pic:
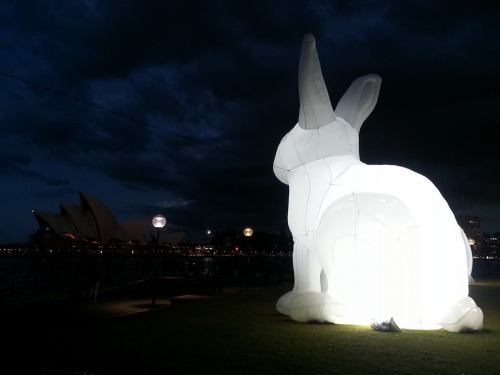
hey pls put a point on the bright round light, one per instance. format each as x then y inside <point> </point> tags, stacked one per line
<point>159,221</point>
<point>209,232</point>
<point>247,232</point>
<point>472,242</point>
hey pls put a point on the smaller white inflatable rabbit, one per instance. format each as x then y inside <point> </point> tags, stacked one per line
<point>371,242</point>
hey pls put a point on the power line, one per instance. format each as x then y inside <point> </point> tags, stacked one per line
<point>113,112</point>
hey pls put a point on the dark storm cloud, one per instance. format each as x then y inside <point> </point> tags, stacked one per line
<point>17,166</point>
<point>224,74</point>
<point>56,193</point>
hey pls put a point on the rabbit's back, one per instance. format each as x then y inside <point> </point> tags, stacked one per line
<point>418,193</point>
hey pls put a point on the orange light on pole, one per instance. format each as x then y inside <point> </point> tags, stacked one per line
<point>248,232</point>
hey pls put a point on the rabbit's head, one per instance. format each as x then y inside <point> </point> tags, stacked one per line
<point>322,132</point>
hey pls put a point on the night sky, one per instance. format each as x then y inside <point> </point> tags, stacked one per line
<point>214,87</point>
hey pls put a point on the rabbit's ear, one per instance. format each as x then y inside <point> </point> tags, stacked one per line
<point>359,100</point>
<point>315,107</point>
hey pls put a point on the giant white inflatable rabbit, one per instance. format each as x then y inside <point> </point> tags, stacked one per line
<point>371,242</point>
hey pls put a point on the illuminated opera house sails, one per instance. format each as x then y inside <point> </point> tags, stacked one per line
<point>94,222</point>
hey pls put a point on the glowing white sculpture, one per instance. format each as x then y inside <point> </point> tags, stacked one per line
<point>371,241</point>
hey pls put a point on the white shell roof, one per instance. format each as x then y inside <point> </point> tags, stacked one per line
<point>94,221</point>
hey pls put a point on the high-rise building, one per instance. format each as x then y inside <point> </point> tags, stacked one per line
<point>491,245</point>
<point>472,228</point>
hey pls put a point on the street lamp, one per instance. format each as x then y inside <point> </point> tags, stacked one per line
<point>209,240</point>
<point>159,222</point>
<point>247,232</point>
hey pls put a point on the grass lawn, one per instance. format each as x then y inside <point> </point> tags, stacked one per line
<point>239,333</point>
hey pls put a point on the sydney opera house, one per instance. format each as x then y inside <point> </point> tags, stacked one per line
<point>93,223</point>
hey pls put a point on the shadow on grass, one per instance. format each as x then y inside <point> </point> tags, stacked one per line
<point>149,306</point>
